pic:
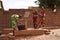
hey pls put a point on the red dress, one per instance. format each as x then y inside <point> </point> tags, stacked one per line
<point>41,23</point>
<point>35,20</point>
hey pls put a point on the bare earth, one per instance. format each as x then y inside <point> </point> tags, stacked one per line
<point>54,35</point>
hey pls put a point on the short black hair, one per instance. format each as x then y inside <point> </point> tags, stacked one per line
<point>20,16</point>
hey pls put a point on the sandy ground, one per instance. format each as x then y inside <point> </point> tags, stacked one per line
<point>54,35</point>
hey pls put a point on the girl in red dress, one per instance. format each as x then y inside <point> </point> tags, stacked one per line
<point>42,17</point>
<point>35,15</point>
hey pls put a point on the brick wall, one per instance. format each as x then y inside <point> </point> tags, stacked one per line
<point>51,19</point>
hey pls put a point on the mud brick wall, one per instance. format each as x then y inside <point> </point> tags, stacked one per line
<point>20,12</point>
<point>52,19</point>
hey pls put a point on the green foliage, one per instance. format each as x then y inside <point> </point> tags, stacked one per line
<point>48,3</point>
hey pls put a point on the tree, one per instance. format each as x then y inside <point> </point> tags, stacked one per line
<point>48,3</point>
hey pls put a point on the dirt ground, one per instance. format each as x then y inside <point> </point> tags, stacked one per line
<point>54,35</point>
